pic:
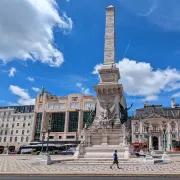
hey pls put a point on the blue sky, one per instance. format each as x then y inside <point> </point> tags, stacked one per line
<point>59,44</point>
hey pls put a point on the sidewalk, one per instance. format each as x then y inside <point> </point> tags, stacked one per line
<point>25,165</point>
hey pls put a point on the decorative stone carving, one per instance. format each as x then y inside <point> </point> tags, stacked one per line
<point>74,105</point>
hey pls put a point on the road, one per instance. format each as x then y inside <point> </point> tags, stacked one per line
<point>84,178</point>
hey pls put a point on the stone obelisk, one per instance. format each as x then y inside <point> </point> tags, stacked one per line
<point>106,132</point>
<point>109,92</point>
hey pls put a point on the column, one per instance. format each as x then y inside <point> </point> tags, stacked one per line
<point>80,121</point>
<point>150,141</point>
<point>66,122</point>
<point>160,142</point>
<point>168,137</point>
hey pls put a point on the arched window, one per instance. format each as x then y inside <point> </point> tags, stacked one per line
<point>0,139</point>
<point>1,132</point>
<point>24,124</point>
<point>22,138</point>
<point>11,132</point>
<point>6,132</point>
<point>2,125</point>
<point>15,139</point>
<point>22,132</point>
<point>12,125</point>
<point>7,125</point>
<point>27,139</point>
<point>10,139</point>
<point>4,139</point>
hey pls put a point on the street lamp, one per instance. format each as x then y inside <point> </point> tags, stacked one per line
<point>164,134</point>
<point>43,137</point>
<point>48,131</point>
<point>147,129</point>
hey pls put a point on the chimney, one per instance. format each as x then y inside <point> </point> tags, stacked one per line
<point>172,103</point>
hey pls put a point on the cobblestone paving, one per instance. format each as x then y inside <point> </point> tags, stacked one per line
<point>28,164</point>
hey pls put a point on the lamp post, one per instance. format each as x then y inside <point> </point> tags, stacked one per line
<point>43,137</point>
<point>48,131</point>
<point>164,134</point>
<point>147,129</point>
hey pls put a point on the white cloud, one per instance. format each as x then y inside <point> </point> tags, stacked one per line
<point>36,89</point>
<point>12,72</point>
<point>31,79</point>
<point>27,32</point>
<point>98,66</point>
<point>85,91</point>
<point>139,79</point>
<point>68,1</point>
<point>151,98</point>
<point>78,84</point>
<point>23,95</point>
<point>176,95</point>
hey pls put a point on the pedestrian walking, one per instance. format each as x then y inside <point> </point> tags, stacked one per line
<point>115,161</point>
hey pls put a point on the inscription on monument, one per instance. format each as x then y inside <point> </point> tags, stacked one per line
<point>110,20</point>
<point>109,54</point>
<point>109,31</point>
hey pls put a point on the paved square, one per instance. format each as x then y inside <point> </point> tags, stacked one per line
<point>29,165</point>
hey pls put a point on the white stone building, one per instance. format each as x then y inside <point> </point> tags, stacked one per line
<point>16,124</point>
<point>156,126</point>
<point>66,116</point>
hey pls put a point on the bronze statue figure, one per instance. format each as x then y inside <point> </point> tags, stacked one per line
<point>124,113</point>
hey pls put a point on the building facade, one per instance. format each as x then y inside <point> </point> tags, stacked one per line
<point>156,126</point>
<point>66,116</point>
<point>16,124</point>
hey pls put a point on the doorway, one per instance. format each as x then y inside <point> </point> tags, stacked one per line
<point>155,143</point>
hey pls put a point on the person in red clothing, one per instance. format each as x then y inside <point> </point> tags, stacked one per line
<point>115,161</point>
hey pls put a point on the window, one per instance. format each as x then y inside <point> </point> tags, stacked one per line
<point>7,125</point>
<point>18,117</point>
<point>17,124</point>
<point>22,132</point>
<point>137,136</point>
<point>14,118</point>
<point>8,118</point>
<point>60,137</point>
<point>28,124</point>
<point>6,132</point>
<point>73,121</point>
<point>24,117</point>
<point>16,131</point>
<point>154,128</point>
<point>2,125</point>
<point>12,125</point>
<point>27,131</point>
<point>51,137</point>
<point>10,139</point>
<point>4,139</point>
<point>15,139</point>
<point>11,132</point>
<point>173,135</point>
<point>27,139</point>
<point>38,127</point>
<point>24,124</point>
<point>1,132</point>
<point>136,128</point>
<point>70,137</point>
<point>29,117</point>
<point>57,122</point>
<point>0,139</point>
<point>4,113</point>
<point>22,138</point>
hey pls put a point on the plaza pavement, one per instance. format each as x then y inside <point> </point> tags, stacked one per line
<point>28,165</point>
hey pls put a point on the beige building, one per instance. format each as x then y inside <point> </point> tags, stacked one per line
<point>157,126</point>
<point>16,124</point>
<point>66,116</point>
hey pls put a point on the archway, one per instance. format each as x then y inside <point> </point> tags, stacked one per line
<point>155,143</point>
